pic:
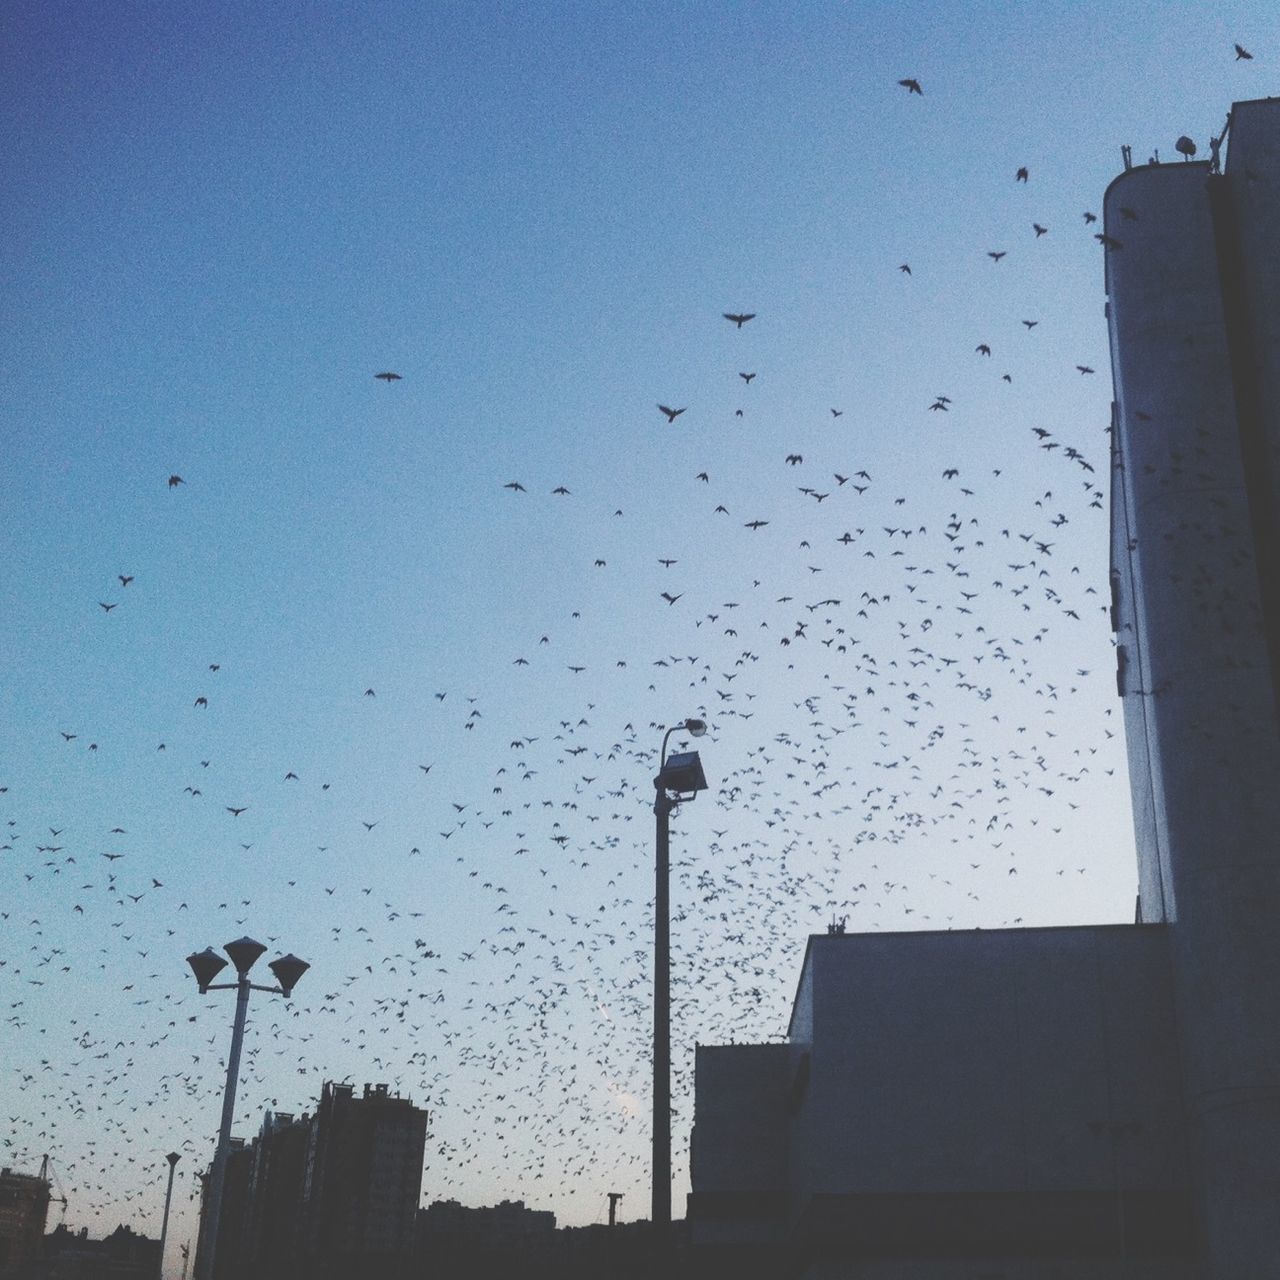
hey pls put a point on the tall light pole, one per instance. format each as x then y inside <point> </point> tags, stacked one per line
<point>680,778</point>
<point>173,1157</point>
<point>206,965</point>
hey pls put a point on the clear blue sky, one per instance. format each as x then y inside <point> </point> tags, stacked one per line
<point>223,221</point>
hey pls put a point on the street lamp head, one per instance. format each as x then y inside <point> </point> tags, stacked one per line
<point>206,965</point>
<point>173,1157</point>
<point>288,969</point>
<point>682,772</point>
<point>244,952</point>
<point>695,727</point>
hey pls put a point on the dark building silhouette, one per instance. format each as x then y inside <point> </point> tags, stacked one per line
<point>277,1163</point>
<point>330,1196</point>
<point>1093,1101</point>
<point>501,1241</point>
<point>362,1181</point>
<point>24,1209</point>
<point>123,1255</point>
<point>230,1257</point>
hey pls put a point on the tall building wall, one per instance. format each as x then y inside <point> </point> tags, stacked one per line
<point>24,1205</point>
<point>1196,651</point>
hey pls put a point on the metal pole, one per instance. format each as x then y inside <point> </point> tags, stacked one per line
<point>662,806</point>
<point>173,1157</point>
<point>208,1256</point>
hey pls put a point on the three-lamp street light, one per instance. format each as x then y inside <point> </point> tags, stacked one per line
<point>206,965</point>
<point>679,778</point>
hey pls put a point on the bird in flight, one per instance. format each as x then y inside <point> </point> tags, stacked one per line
<point>1243,54</point>
<point>388,376</point>
<point>672,414</point>
<point>905,268</point>
<point>995,255</point>
<point>125,578</point>
<point>1039,230</point>
<point>106,608</point>
<point>746,377</point>
<point>911,85</point>
<point>175,481</point>
<point>755,524</point>
<point>515,486</point>
<point>669,598</point>
<point>1022,175</point>
<point>740,317</point>
<point>235,813</point>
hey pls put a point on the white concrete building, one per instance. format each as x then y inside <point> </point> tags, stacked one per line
<point>1094,1102</point>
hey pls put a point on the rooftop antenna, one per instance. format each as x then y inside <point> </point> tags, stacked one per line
<point>1126,154</point>
<point>614,1197</point>
<point>837,925</point>
<point>1215,146</point>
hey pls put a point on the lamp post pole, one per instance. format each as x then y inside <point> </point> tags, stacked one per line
<point>662,807</point>
<point>685,776</point>
<point>173,1157</point>
<point>218,1174</point>
<point>206,965</point>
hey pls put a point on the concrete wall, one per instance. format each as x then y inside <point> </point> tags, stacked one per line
<point>738,1151</point>
<point>1195,602</point>
<point>1253,176</point>
<point>1012,1061</point>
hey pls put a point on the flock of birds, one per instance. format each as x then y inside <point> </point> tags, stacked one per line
<point>893,681</point>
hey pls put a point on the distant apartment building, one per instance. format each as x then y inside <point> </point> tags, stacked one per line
<point>362,1180</point>
<point>24,1208</point>
<point>123,1255</point>
<point>273,1192</point>
<point>331,1195</point>
<point>446,1223</point>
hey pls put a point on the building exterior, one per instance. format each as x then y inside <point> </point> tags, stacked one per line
<point>123,1255</point>
<point>329,1195</point>
<point>273,1192</point>
<point>1098,1101</point>
<point>508,1222</point>
<point>24,1208</point>
<point>362,1180</point>
<point>1194,298</point>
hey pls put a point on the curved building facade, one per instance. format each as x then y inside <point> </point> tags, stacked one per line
<point>1193,284</point>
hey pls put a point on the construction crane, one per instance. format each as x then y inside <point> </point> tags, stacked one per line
<point>48,1177</point>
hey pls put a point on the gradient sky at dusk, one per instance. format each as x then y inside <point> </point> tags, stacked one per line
<point>223,221</point>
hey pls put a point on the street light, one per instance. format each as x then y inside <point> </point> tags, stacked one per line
<point>173,1157</point>
<point>679,778</point>
<point>206,965</point>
